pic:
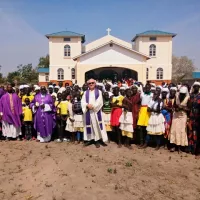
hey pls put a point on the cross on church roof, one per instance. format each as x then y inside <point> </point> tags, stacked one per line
<point>108,30</point>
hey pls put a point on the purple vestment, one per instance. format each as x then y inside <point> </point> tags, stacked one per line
<point>44,121</point>
<point>11,116</point>
<point>2,92</point>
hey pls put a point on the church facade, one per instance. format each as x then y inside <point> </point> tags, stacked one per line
<point>147,57</point>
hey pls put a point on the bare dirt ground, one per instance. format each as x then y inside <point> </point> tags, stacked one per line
<point>34,171</point>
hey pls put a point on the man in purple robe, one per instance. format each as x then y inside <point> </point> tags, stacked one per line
<point>2,92</point>
<point>10,113</point>
<point>43,108</point>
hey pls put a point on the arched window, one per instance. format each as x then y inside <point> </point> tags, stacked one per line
<point>159,73</point>
<point>73,73</point>
<point>67,51</point>
<point>60,73</point>
<point>152,50</point>
<point>147,73</point>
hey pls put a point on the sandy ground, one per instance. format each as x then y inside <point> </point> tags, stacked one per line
<point>34,171</point>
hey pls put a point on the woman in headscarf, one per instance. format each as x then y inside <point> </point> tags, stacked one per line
<point>194,121</point>
<point>156,121</point>
<point>178,133</point>
<point>167,111</point>
<point>136,105</point>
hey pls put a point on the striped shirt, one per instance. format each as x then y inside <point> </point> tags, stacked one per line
<point>107,107</point>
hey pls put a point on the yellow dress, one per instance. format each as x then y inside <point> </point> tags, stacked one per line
<point>63,107</point>
<point>31,97</point>
<point>28,116</point>
<point>127,134</point>
<point>57,105</point>
<point>119,98</point>
<point>143,116</point>
<point>116,111</point>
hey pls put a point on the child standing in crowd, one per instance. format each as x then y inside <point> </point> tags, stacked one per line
<point>167,111</point>
<point>108,88</point>
<point>156,121</point>
<point>116,104</point>
<point>27,91</point>
<point>58,129</point>
<point>144,115</point>
<point>70,123</point>
<point>78,116</point>
<point>63,117</point>
<point>107,113</point>
<point>122,91</point>
<point>135,105</point>
<point>28,119</point>
<point>178,132</point>
<point>126,119</point>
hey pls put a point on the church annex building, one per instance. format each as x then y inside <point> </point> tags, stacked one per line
<point>147,57</point>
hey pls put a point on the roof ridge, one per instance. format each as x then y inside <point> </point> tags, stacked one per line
<point>65,31</point>
<point>106,43</point>
<point>154,32</point>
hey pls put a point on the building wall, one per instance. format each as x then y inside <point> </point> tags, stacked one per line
<point>56,50</point>
<point>107,56</point>
<point>112,55</point>
<point>104,40</point>
<point>163,58</point>
<point>67,72</point>
<point>42,77</point>
<point>57,58</point>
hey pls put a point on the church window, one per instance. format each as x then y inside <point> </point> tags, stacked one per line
<point>67,39</point>
<point>67,51</point>
<point>159,73</point>
<point>147,73</point>
<point>152,50</point>
<point>152,38</point>
<point>47,77</point>
<point>60,73</point>
<point>73,73</point>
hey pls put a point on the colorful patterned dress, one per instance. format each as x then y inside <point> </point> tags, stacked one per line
<point>106,115</point>
<point>169,103</point>
<point>178,132</point>
<point>194,123</point>
<point>116,111</point>
<point>135,108</point>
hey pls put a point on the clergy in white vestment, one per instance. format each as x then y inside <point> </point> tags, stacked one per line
<point>94,127</point>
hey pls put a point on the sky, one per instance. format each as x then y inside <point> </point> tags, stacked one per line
<point>24,24</point>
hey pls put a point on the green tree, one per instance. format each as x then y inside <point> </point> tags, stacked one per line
<point>23,74</point>
<point>13,76</point>
<point>27,73</point>
<point>44,61</point>
<point>182,68</point>
<point>2,79</point>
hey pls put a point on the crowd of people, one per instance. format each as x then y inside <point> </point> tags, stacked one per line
<point>97,113</point>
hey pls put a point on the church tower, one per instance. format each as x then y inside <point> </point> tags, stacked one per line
<point>63,46</point>
<point>158,46</point>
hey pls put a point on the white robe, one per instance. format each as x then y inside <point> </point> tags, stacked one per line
<point>69,124</point>
<point>96,132</point>
<point>9,130</point>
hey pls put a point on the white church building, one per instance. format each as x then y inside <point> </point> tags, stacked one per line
<point>147,57</point>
